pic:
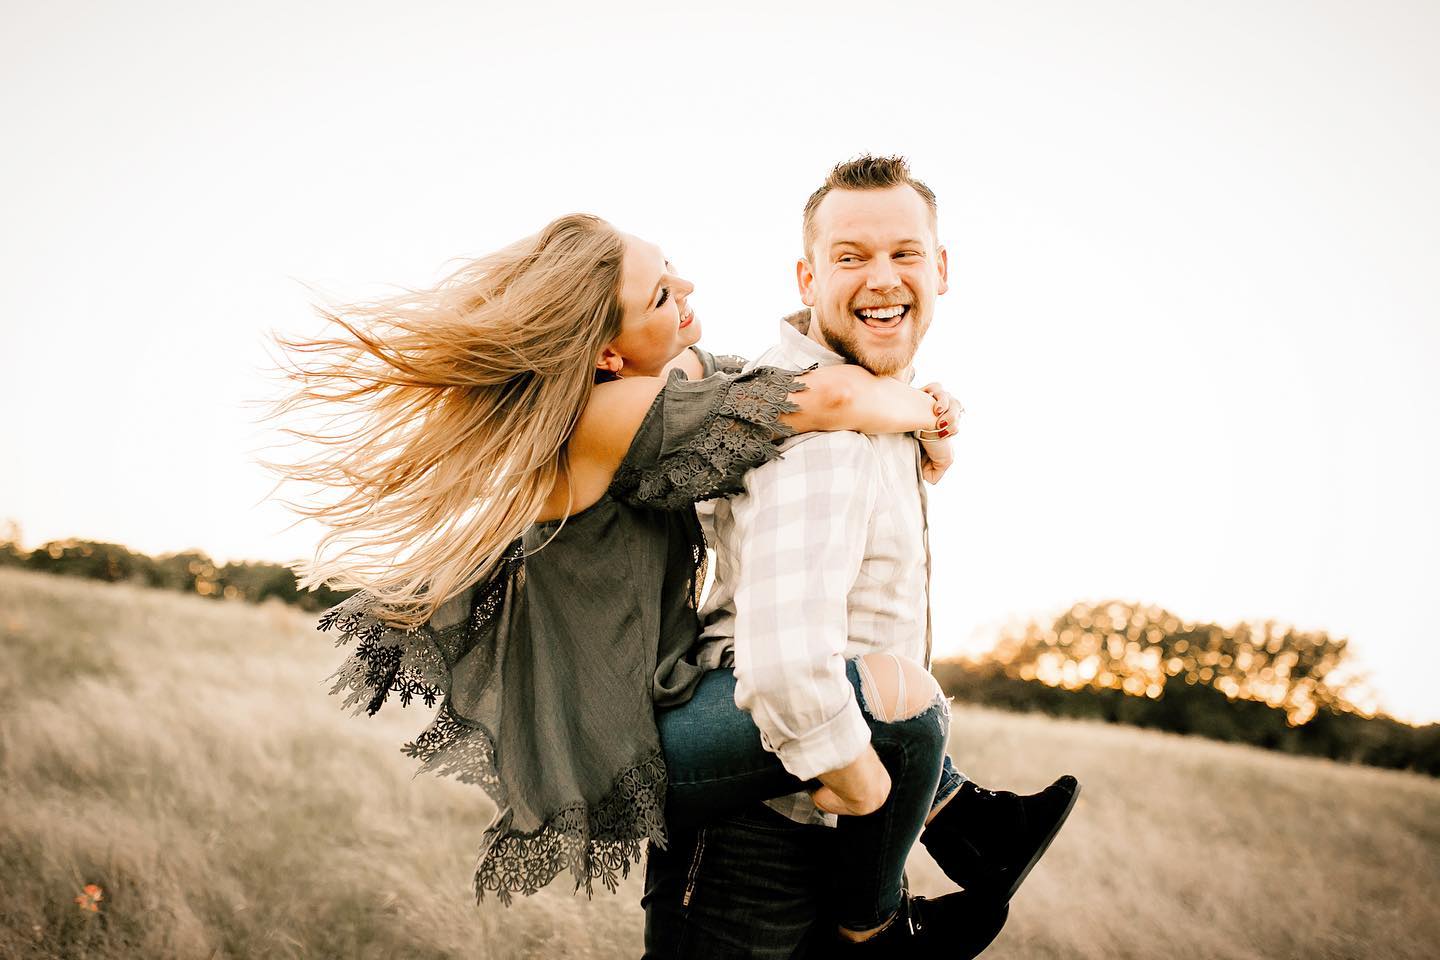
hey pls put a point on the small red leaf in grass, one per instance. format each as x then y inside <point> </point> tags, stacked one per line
<point>90,897</point>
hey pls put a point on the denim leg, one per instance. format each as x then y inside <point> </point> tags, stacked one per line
<point>751,885</point>
<point>714,758</point>
<point>950,780</point>
<point>718,766</point>
<point>872,849</point>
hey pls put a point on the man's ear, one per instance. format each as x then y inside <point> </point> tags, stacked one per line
<point>609,361</point>
<point>942,265</point>
<point>805,280</point>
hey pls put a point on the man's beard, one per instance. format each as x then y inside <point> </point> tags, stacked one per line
<point>885,362</point>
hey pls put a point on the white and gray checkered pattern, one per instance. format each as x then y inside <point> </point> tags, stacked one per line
<point>822,558</point>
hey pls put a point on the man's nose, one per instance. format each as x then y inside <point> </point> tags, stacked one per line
<point>882,275</point>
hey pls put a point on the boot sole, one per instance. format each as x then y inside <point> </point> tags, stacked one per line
<point>1044,844</point>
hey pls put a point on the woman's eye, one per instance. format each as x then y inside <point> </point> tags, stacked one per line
<point>664,295</point>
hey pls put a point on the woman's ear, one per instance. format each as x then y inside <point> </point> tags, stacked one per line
<point>610,361</point>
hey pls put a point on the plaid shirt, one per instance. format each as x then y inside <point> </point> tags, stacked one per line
<point>822,558</point>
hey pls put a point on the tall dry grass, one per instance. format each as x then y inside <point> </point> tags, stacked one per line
<point>184,756</point>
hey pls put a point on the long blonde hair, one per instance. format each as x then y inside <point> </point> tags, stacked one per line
<point>445,414</point>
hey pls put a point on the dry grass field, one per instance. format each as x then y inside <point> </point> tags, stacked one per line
<point>183,756</point>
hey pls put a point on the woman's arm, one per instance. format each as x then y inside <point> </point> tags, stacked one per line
<point>841,397</point>
<point>847,397</point>
<point>837,397</point>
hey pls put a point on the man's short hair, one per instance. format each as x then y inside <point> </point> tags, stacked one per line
<point>865,173</point>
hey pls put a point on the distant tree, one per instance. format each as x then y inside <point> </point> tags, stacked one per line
<point>258,582</point>
<point>1139,650</point>
<point>87,558</point>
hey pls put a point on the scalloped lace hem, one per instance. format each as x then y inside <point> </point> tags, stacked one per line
<point>597,842</point>
<point>592,844</point>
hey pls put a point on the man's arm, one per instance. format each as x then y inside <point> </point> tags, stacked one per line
<point>800,534</point>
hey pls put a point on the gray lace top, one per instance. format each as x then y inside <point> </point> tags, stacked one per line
<point>548,673</point>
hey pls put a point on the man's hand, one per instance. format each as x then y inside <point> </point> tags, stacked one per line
<point>858,788</point>
<point>939,455</point>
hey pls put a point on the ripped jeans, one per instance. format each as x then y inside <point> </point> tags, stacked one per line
<point>718,767</point>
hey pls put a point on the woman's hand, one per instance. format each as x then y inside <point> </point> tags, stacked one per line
<point>939,454</point>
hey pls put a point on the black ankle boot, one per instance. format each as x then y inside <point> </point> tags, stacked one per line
<point>987,841</point>
<point>957,926</point>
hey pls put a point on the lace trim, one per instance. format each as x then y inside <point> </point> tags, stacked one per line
<point>738,435</point>
<point>385,660</point>
<point>595,844</point>
<point>452,746</point>
<point>600,844</point>
<point>728,363</point>
<point>406,662</point>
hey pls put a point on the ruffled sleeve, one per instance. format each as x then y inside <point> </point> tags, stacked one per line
<point>700,437</point>
<point>419,663</point>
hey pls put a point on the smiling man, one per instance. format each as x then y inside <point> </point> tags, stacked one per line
<point>823,559</point>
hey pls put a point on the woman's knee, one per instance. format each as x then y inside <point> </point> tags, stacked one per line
<point>895,688</point>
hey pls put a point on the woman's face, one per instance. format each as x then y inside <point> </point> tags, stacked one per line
<point>657,320</point>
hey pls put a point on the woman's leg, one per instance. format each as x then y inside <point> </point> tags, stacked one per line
<point>909,725</point>
<point>716,763</point>
<point>718,766</point>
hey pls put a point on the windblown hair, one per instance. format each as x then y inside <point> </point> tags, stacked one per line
<point>444,414</point>
<point>865,173</point>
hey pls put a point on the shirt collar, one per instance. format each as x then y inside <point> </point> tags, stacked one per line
<point>803,351</point>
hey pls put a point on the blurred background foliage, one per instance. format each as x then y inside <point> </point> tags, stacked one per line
<point>188,572</point>
<point>1263,684</point>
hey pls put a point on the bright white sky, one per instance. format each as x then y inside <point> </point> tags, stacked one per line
<point>1194,312</point>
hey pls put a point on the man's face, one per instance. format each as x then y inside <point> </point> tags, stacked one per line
<point>874,272</point>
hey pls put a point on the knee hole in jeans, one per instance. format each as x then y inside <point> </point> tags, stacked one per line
<point>895,688</point>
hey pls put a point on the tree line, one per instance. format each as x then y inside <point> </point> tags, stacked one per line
<point>187,572</point>
<point>1264,684</point>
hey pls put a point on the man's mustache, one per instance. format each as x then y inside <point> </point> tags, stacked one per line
<point>870,303</point>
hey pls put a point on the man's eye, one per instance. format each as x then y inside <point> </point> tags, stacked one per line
<point>664,295</point>
<point>849,258</point>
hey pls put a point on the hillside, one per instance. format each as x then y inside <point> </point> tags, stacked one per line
<point>183,756</point>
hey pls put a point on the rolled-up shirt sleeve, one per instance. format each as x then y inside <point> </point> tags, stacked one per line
<point>802,527</point>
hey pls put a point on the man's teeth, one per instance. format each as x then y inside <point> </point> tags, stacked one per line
<point>880,314</point>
